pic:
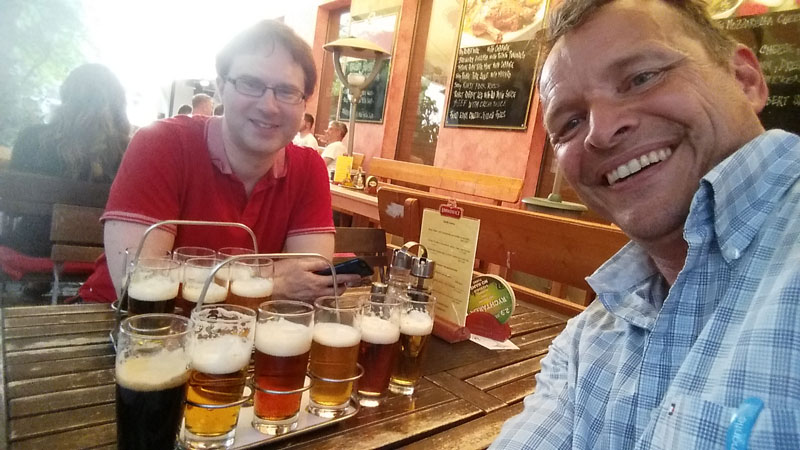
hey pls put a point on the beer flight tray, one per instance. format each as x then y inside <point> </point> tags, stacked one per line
<point>249,437</point>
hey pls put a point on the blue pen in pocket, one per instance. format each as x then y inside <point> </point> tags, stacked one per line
<point>742,423</point>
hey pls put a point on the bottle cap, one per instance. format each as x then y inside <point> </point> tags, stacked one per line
<point>401,259</point>
<point>422,267</point>
<point>379,288</point>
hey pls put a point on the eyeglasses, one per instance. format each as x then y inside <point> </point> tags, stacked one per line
<point>255,88</point>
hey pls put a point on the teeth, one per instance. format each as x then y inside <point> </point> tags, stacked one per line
<point>637,164</point>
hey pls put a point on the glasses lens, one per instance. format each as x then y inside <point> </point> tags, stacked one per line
<point>288,95</point>
<point>249,87</point>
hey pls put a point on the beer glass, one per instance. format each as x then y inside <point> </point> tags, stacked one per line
<point>153,286</point>
<point>221,343</point>
<point>251,282</point>
<point>416,325</point>
<point>283,342</point>
<point>380,345</point>
<point>224,253</point>
<point>183,254</point>
<point>152,367</point>
<point>195,273</point>
<point>333,363</point>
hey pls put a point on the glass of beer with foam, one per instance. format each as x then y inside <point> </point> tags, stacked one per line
<point>183,254</point>
<point>283,343</point>
<point>380,345</point>
<point>416,325</point>
<point>221,342</point>
<point>153,286</point>
<point>333,363</point>
<point>152,367</point>
<point>251,282</point>
<point>195,273</point>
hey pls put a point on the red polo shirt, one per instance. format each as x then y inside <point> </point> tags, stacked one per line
<point>177,169</point>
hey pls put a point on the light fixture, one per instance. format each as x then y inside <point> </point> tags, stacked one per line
<point>355,82</point>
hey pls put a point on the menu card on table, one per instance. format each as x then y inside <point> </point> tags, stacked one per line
<point>451,241</point>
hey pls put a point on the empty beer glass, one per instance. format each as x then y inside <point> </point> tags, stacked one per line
<point>183,254</point>
<point>221,344</point>
<point>283,343</point>
<point>334,353</point>
<point>380,345</point>
<point>152,368</point>
<point>153,286</point>
<point>251,282</point>
<point>195,273</point>
<point>416,324</point>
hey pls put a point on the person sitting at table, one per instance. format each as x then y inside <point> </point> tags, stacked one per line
<point>239,167</point>
<point>84,141</point>
<point>652,111</point>
<point>305,136</point>
<point>333,136</point>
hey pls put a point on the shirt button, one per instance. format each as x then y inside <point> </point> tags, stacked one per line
<point>732,253</point>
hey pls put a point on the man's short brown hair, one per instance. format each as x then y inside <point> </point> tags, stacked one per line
<point>264,36</point>
<point>571,14</point>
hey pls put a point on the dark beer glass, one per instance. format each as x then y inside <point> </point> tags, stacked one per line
<point>380,345</point>
<point>153,286</point>
<point>152,368</point>
<point>283,343</point>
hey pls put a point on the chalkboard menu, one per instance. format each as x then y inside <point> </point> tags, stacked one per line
<point>775,39</point>
<point>373,98</point>
<point>492,86</point>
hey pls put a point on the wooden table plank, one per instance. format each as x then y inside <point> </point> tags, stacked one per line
<point>58,330</point>
<point>56,353</point>
<point>57,401</point>
<point>516,390</point>
<point>62,341</point>
<point>27,387</point>
<point>533,321</point>
<point>356,202</point>
<point>475,434</point>
<point>70,440</point>
<point>507,374</point>
<point>462,389</point>
<point>3,399</point>
<point>59,319</point>
<point>61,421</point>
<point>547,334</point>
<point>53,310</point>
<point>500,359</point>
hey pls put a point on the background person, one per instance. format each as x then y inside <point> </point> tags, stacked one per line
<point>305,137</point>
<point>652,112</point>
<point>239,167</point>
<point>202,104</point>
<point>333,136</point>
<point>184,110</point>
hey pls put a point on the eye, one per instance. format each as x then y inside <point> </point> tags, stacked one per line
<point>251,84</point>
<point>564,132</point>
<point>642,78</point>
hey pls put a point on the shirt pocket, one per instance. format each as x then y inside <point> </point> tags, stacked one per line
<point>687,422</point>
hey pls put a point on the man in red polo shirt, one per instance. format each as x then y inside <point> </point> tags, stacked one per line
<point>240,167</point>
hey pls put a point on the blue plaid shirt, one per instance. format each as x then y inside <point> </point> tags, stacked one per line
<point>653,367</point>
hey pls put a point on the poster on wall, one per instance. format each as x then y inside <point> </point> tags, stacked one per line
<point>492,81</point>
<point>771,28</point>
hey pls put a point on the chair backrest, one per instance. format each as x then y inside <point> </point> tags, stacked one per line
<point>27,193</point>
<point>555,248</point>
<point>358,159</point>
<point>368,244</point>
<point>76,233</point>
<point>493,187</point>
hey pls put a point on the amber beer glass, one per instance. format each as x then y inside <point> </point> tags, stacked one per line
<point>416,325</point>
<point>251,282</point>
<point>380,345</point>
<point>221,344</point>
<point>195,273</point>
<point>153,286</point>
<point>152,367</point>
<point>283,343</point>
<point>334,353</point>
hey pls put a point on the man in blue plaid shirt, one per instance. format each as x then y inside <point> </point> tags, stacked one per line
<point>694,341</point>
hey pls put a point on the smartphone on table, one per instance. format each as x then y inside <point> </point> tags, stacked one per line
<point>352,266</point>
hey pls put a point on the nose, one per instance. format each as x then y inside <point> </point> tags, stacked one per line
<point>609,123</point>
<point>269,102</point>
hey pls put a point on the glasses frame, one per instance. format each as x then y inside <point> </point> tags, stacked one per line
<point>277,91</point>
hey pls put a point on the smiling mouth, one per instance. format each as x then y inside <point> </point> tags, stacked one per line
<point>636,165</point>
<point>263,125</point>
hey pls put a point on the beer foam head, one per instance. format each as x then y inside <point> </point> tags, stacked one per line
<point>283,338</point>
<point>416,323</point>
<point>215,293</point>
<point>379,331</point>
<point>220,355</point>
<point>163,370</point>
<point>153,289</point>
<point>252,287</point>
<point>336,334</point>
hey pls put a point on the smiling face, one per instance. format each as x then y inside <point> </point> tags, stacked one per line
<point>638,113</point>
<point>261,125</point>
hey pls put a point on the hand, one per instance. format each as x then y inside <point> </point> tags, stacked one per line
<point>294,279</point>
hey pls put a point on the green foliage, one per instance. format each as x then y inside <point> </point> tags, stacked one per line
<point>42,40</point>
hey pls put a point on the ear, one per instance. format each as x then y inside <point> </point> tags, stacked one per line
<point>748,74</point>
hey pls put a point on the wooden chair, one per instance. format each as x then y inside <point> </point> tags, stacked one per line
<point>368,244</point>
<point>496,188</point>
<point>554,248</point>
<point>77,236</point>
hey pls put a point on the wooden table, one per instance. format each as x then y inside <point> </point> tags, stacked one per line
<point>363,207</point>
<point>57,386</point>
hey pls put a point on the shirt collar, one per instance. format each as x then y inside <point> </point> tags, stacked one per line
<point>748,185</point>
<point>219,158</point>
